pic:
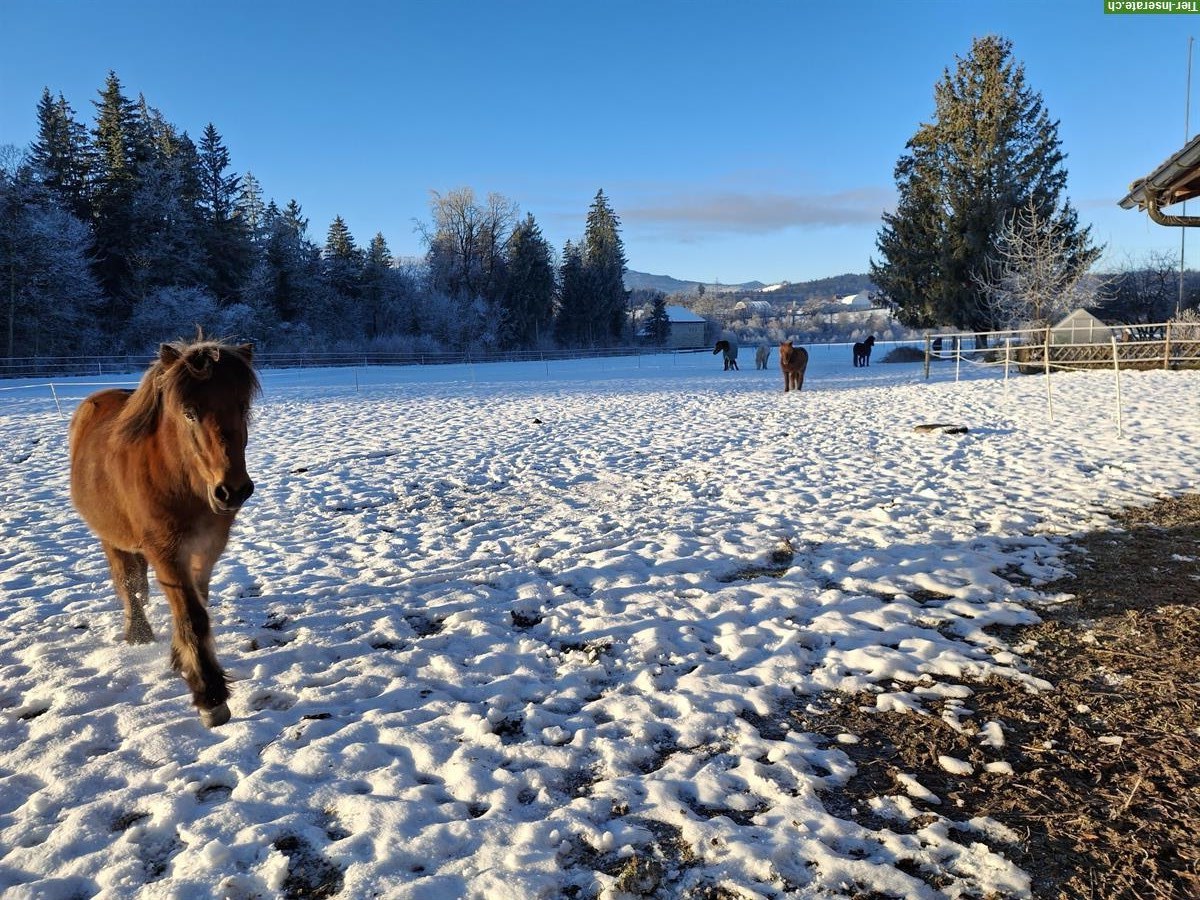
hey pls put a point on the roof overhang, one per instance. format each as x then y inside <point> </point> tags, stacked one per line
<point>1175,181</point>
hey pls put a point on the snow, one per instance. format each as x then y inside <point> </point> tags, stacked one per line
<point>512,631</point>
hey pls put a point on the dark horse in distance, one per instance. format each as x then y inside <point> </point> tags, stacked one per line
<point>730,352</point>
<point>793,361</point>
<point>862,352</point>
<point>158,474</point>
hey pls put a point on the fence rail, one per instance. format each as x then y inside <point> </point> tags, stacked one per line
<point>1173,345</point>
<point>135,363</point>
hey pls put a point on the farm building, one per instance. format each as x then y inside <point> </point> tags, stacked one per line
<point>687,329</point>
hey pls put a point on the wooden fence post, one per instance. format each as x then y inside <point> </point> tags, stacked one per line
<point>1117,376</point>
<point>1167,346</point>
<point>927,356</point>
<point>1046,363</point>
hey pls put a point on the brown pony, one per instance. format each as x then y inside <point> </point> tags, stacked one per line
<point>158,474</point>
<point>793,361</point>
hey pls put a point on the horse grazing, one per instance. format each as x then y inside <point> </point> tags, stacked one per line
<point>158,474</point>
<point>793,361</point>
<point>862,352</point>
<point>730,350</point>
<point>762,356</point>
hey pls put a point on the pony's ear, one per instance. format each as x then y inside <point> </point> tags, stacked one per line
<point>247,350</point>
<point>168,353</point>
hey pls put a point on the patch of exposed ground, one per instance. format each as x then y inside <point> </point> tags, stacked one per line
<point>1104,795</point>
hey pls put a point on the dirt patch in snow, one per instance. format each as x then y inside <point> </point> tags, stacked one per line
<point>1103,798</point>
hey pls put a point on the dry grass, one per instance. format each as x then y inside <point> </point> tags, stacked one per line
<point>1105,790</point>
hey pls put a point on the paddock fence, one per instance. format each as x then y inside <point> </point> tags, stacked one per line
<point>1165,345</point>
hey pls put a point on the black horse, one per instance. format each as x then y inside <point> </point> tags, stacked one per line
<point>730,351</point>
<point>862,352</point>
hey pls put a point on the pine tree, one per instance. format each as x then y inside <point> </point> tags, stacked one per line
<point>574,326</point>
<point>61,155</point>
<point>528,301</point>
<point>121,147</point>
<point>374,283</point>
<point>252,210</point>
<point>990,150</point>
<point>226,238</point>
<point>658,323</point>
<point>604,261</point>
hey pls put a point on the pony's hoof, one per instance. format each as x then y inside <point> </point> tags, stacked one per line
<point>218,715</point>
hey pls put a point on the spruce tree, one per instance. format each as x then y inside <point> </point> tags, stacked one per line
<point>226,238</point>
<point>990,150</point>
<point>121,147</point>
<point>61,155</point>
<point>574,325</point>
<point>528,300</point>
<point>604,262</point>
<point>658,323</point>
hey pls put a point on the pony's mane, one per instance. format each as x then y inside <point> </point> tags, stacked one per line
<point>187,369</point>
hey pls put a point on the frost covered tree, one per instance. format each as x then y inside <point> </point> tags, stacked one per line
<point>1033,275</point>
<point>49,293</point>
<point>466,243</point>
<point>990,150</point>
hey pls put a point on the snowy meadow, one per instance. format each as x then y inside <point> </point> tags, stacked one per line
<point>535,630</point>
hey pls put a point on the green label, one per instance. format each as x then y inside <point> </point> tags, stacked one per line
<point>1151,6</point>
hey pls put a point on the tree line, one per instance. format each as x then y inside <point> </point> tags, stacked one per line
<point>120,235</point>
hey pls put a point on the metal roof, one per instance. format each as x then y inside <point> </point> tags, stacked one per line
<point>1176,180</point>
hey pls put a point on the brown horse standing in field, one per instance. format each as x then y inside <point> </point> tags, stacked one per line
<point>158,474</point>
<point>793,361</point>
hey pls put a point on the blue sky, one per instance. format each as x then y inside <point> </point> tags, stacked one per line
<point>740,140</point>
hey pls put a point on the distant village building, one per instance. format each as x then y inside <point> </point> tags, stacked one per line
<point>854,302</point>
<point>749,308</point>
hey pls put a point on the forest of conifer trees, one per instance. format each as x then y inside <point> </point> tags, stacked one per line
<point>124,233</point>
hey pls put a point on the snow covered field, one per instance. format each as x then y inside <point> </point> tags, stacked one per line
<point>532,630</point>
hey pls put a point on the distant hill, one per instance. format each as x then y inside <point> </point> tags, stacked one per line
<point>668,285</point>
<point>833,286</point>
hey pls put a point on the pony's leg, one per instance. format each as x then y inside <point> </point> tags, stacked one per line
<point>133,587</point>
<point>193,653</point>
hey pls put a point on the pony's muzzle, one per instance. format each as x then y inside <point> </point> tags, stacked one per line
<point>227,498</point>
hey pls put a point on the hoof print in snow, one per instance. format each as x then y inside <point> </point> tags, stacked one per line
<point>267,700</point>
<point>774,566</point>
<point>156,855</point>
<point>32,711</point>
<point>214,793</point>
<point>275,622</point>
<point>525,619</point>
<point>423,626</point>
<point>333,828</point>
<point>942,427</point>
<point>381,644</point>
<point>125,821</point>
<point>510,729</point>
<point>309,875</point>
